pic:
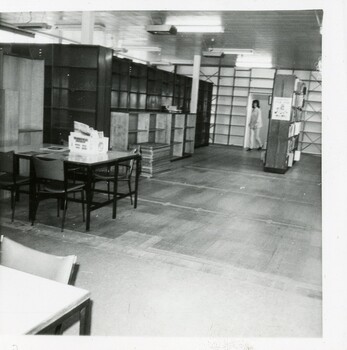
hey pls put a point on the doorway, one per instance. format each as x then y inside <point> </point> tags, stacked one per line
<point>265,112</point>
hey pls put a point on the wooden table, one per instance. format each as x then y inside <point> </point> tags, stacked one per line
<point>90,163</point>
<point>34,305</point>
<point>93,162</point>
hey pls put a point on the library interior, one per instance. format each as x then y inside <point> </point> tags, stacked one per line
<point>160,173</point>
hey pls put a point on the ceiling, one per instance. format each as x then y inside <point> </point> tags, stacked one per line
<point>291,38</point>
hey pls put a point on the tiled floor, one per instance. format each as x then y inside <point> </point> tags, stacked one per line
<point>216,247</point>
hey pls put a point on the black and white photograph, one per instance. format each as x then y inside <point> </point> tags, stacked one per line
<point>173,174</point>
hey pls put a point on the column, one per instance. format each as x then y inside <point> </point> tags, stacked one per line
<point>195,85</point>
<point>88,19</point>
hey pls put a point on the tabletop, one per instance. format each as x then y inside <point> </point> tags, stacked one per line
<point>51,151</point>
<point>91,159</point>
<point>29,303</point>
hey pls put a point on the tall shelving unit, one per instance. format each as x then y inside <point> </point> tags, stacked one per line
<point>311,136</point>
<point>203,114</point>
<point>77,86</point>
<point>167,89</point>
<point>154,89</point>
<point>80,90</point>
<point>285,123</point>
<point>137,86</point>
<point>229,106</point>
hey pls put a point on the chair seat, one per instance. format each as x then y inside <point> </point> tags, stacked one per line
<point>7,180</point>
<point>108,174</point>
<point>58,187</point>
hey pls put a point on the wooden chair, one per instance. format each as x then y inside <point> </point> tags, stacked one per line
<point>51,181</point>
<point>124,175</point>
<point>9,179</point>
<point>61,269</point>
<point>25,259</point>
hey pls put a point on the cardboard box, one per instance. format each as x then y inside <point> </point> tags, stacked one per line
<point>79,143</point>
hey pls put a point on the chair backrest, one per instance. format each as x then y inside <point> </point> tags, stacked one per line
<point>20,257</point>
<point>6,162</point>
<point>49,169</point>
<point>132,161</point>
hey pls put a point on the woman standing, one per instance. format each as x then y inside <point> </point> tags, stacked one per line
<point>255,124</point>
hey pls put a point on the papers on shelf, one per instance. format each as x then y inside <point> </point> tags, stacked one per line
<point>294,129</point>
<point>297,127</point>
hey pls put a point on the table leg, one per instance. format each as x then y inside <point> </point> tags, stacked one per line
<point>137,175</point>
<point>32,194</point>
<point>85,318</point>
<point>115,190</point>
<point>88,196</point>
<point>16,172</point>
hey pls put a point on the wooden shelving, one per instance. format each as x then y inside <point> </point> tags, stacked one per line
<point>134,128</point>
<point>21,95</point>
<point>88,84</point>
<point>284,127</point>
<point>76,86</point>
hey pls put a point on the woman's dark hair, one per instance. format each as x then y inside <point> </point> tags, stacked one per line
<point>256,102</point>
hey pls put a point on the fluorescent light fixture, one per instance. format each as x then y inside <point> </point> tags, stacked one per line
<point>182,62</point>
<point>254,65</point>
<point>32,25</point>
<point>161,29</point>
<point>212,53</point>
<point>73,27</point>
<point>200,29</point>
<point>257,61</point>
<point>196,24</point>
<point>14,30</point>
<point>231,51</point>
<point>143,48</point>
<point>194,20</point>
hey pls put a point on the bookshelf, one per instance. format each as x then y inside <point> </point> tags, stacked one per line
<point>88,84</point>
<point>21,100</point>
<point>77,86</point>
<point>189,137</point>
<point>136,128</point>
<point>120,83</point>
<point>21,104</point>
<point>203,114</point>
<point>159,128</point>
<point>154,89</point>
<point>129,129</point>
<point>177,135</point>
<point>285,123</point>
<point>167,88</point>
